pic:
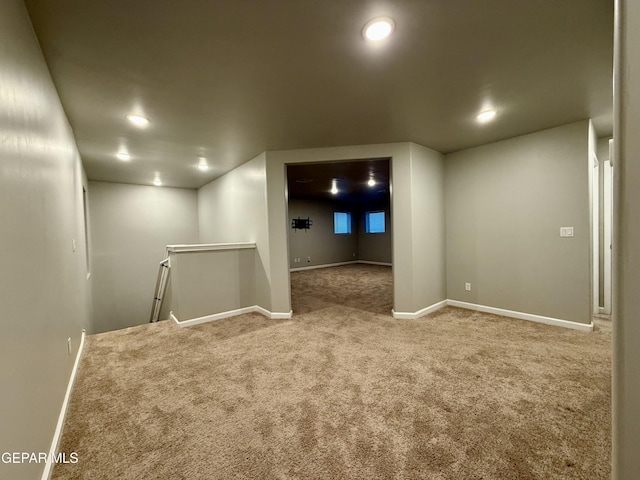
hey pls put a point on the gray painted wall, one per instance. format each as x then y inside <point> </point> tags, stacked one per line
<point>428,249</point>
<point>197,292</point>
<point>131,226</point>
<point>43,282</point>
<point>418,253</point>
<point>626,321</point>
<point>506,203</point>
<point>319,242</point>
<point>374,247</point>
<point>324,246</point>
<point>232,209</point>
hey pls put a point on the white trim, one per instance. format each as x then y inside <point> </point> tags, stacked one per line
<point>48,467</point>
<point>274,315</point>
<point>594,196</point>
<point>203,247</point>
<point>212,318</point>
<point>326,265</point>
<point>420,313</point>
<point>585,327</point>
<point>607,224</point>
<point>230,313</point>
<point>339,264</point>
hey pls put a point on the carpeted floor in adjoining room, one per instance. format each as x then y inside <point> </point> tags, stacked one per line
<point>343,391</point>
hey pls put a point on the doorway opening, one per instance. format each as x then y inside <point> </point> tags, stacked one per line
<point>602,224</point>
<point>340,235</point>
<point>605,293</point>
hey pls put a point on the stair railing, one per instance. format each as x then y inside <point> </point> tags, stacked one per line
<point>161,287</point>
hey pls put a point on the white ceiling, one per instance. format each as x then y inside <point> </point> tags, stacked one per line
<point>229,79</point>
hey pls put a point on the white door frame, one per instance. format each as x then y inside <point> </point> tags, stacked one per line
<point>608,229</point>
<point>595,233</point>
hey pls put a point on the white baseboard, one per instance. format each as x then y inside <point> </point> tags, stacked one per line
<point>326,265</point>
<point>212,318</point>
<point>48,467</point>
<point>585,327</point>
<point>273,315</point>
<point>420,313</point>
<point>339,264</point>
<point>230,313</point>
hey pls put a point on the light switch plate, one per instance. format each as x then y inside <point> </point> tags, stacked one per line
<point>566,231</point>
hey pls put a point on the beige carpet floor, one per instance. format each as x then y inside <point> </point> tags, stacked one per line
<point>342,391</point>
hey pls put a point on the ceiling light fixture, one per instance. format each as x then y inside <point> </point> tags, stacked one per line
<point>486,116</point>
<point>138,120</point>
<point>123,156</point>
<point>378,28</point>
<point>203,165</point>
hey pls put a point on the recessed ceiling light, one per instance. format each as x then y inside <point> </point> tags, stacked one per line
<point>157,182</point>
<point>138,120</point>
<point>486,116</point>
<point>124,156</point>
<point>378,28</point>
<point>371,182</point>
<point>203,165</point>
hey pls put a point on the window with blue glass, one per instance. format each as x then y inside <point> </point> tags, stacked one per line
<point>375,222</point>
<point>341,222</point>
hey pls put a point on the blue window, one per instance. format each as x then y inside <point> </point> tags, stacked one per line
<point>375,222</point>
<point>341,222</point>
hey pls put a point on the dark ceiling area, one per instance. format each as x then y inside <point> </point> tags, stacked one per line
<point>315,180</point>
<point>223,81</point>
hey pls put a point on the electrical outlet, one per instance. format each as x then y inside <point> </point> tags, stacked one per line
<point>69,345</point>
<point>467,287</point>
<point>308,259</point>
